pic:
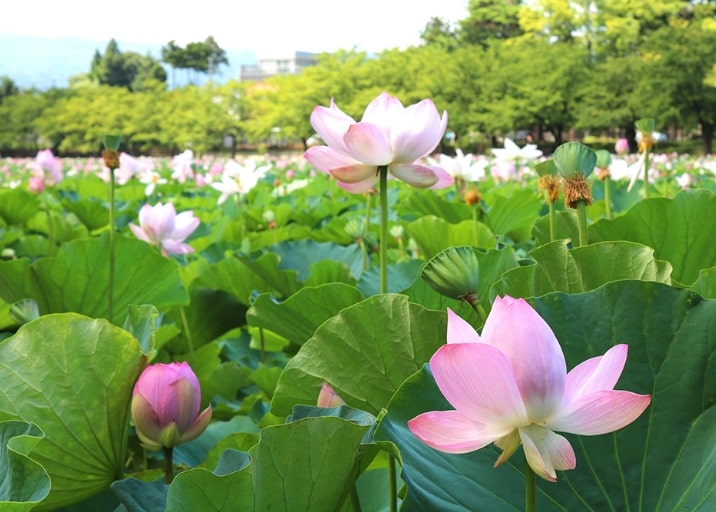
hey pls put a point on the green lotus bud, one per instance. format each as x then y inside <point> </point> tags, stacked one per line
<point>454,273</point>
<point>354,228</point>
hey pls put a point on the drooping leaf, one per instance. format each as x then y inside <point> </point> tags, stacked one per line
<point>512,212</point>
<point>77,279</point>
<point>432,235</point>
<point>675,228</point>
<point>298,317</point>
<point>581,269</point>
<point>23,482</point>
<point>364,353</point>
<point>17,205</point>
<point>72,376</point>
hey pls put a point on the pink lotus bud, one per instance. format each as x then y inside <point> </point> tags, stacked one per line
<point>165,406</point>
<point>329,398</point>
<point>622,146</point>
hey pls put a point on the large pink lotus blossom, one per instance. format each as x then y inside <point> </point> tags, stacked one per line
<point>165,406</point>
<point>510,386</point>
<point>387,135</point>
<point>160,225</point>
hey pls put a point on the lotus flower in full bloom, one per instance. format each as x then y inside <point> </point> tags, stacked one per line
<point>388,134</point>
<point>509,386</point>
<point>160,225</point>
<point>165,406</point>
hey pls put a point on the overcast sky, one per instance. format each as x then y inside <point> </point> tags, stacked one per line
<point>260,25</point>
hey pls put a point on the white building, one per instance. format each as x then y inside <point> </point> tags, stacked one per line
<point>277,64</point>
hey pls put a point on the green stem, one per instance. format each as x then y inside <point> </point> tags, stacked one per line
<point>646,173</point>
<point>355,501</point>
<point>607,200</point>
<point>262,341</point>
<point>582,222</point>
<point>552,229</point>
<point>111,245</point>
<point>474,225</point>
<point>392,484</point>
<point>530,489</point>
<point>187,331</point>
<point>50,230</point>
<point>383,171</point>
<point>168,465</point>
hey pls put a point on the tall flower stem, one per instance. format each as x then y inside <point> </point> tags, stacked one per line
<point>111,244</point>
<point>168,465</point>
<point>607,200</point>
<point>383,172</point>
<point>646,172</point>
<point>552,229</point>
<point>530,489</point>
<point>582,222</point>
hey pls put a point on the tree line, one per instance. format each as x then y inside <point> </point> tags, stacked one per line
<point>555,69</point>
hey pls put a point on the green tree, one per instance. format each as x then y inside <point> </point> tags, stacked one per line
<point>438,32</point>
<point>7,87</point>
<point>488,20</point>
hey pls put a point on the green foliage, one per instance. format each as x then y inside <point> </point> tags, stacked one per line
<point>78,396</point>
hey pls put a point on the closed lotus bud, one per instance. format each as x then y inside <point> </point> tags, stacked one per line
<point>165,406</point>
<point>621,146</point>
<point>454,273</point>
<point>328,398</point>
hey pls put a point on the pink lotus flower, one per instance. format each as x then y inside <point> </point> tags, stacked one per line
<point>165,406</point>
<point>388,134</point>
<point>328,397</point>
<point>510,386</point>
<point>160,225</point>
<point>622,146</point>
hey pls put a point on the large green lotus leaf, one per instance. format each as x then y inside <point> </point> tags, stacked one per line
<point>17,205</point>
<point>72,376</point>
<point>512,211</point>
<point>433,234</point>
<point>92,212</point>
<point>664,461</point>
<point>299,255</point>
<point>678,229</point>
<point>705,285</point>
<point>243,277</point>
<point>298,317</point>
<point>210,314</point>
<point>23,482</point>
<point>418,203</point>
<point>364,353</point>
<point>565,226</point>
<point>581,269</point>
<point>400,276</point>
<point>77,279</point>
<point>310,464</point>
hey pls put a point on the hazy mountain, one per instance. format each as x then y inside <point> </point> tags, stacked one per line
<point>44,63</point>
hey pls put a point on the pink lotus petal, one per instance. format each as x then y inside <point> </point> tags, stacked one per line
<point>367,143</point>
<point>453,432</point>
<point>331,124</point>
<point>324,158</point>
<point>416,175</point>
<point>477,380</point>
<point>140,233</point>
<point>546,451</point>
<point>417,132</point>
<point>360,187</point>
<point>600,412</point>
<point>534,352</point>
<point>595,374</point>
<point>459,331</point>
<point>444,178</point>
<point>184,224</point>
<point>355,173</point>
